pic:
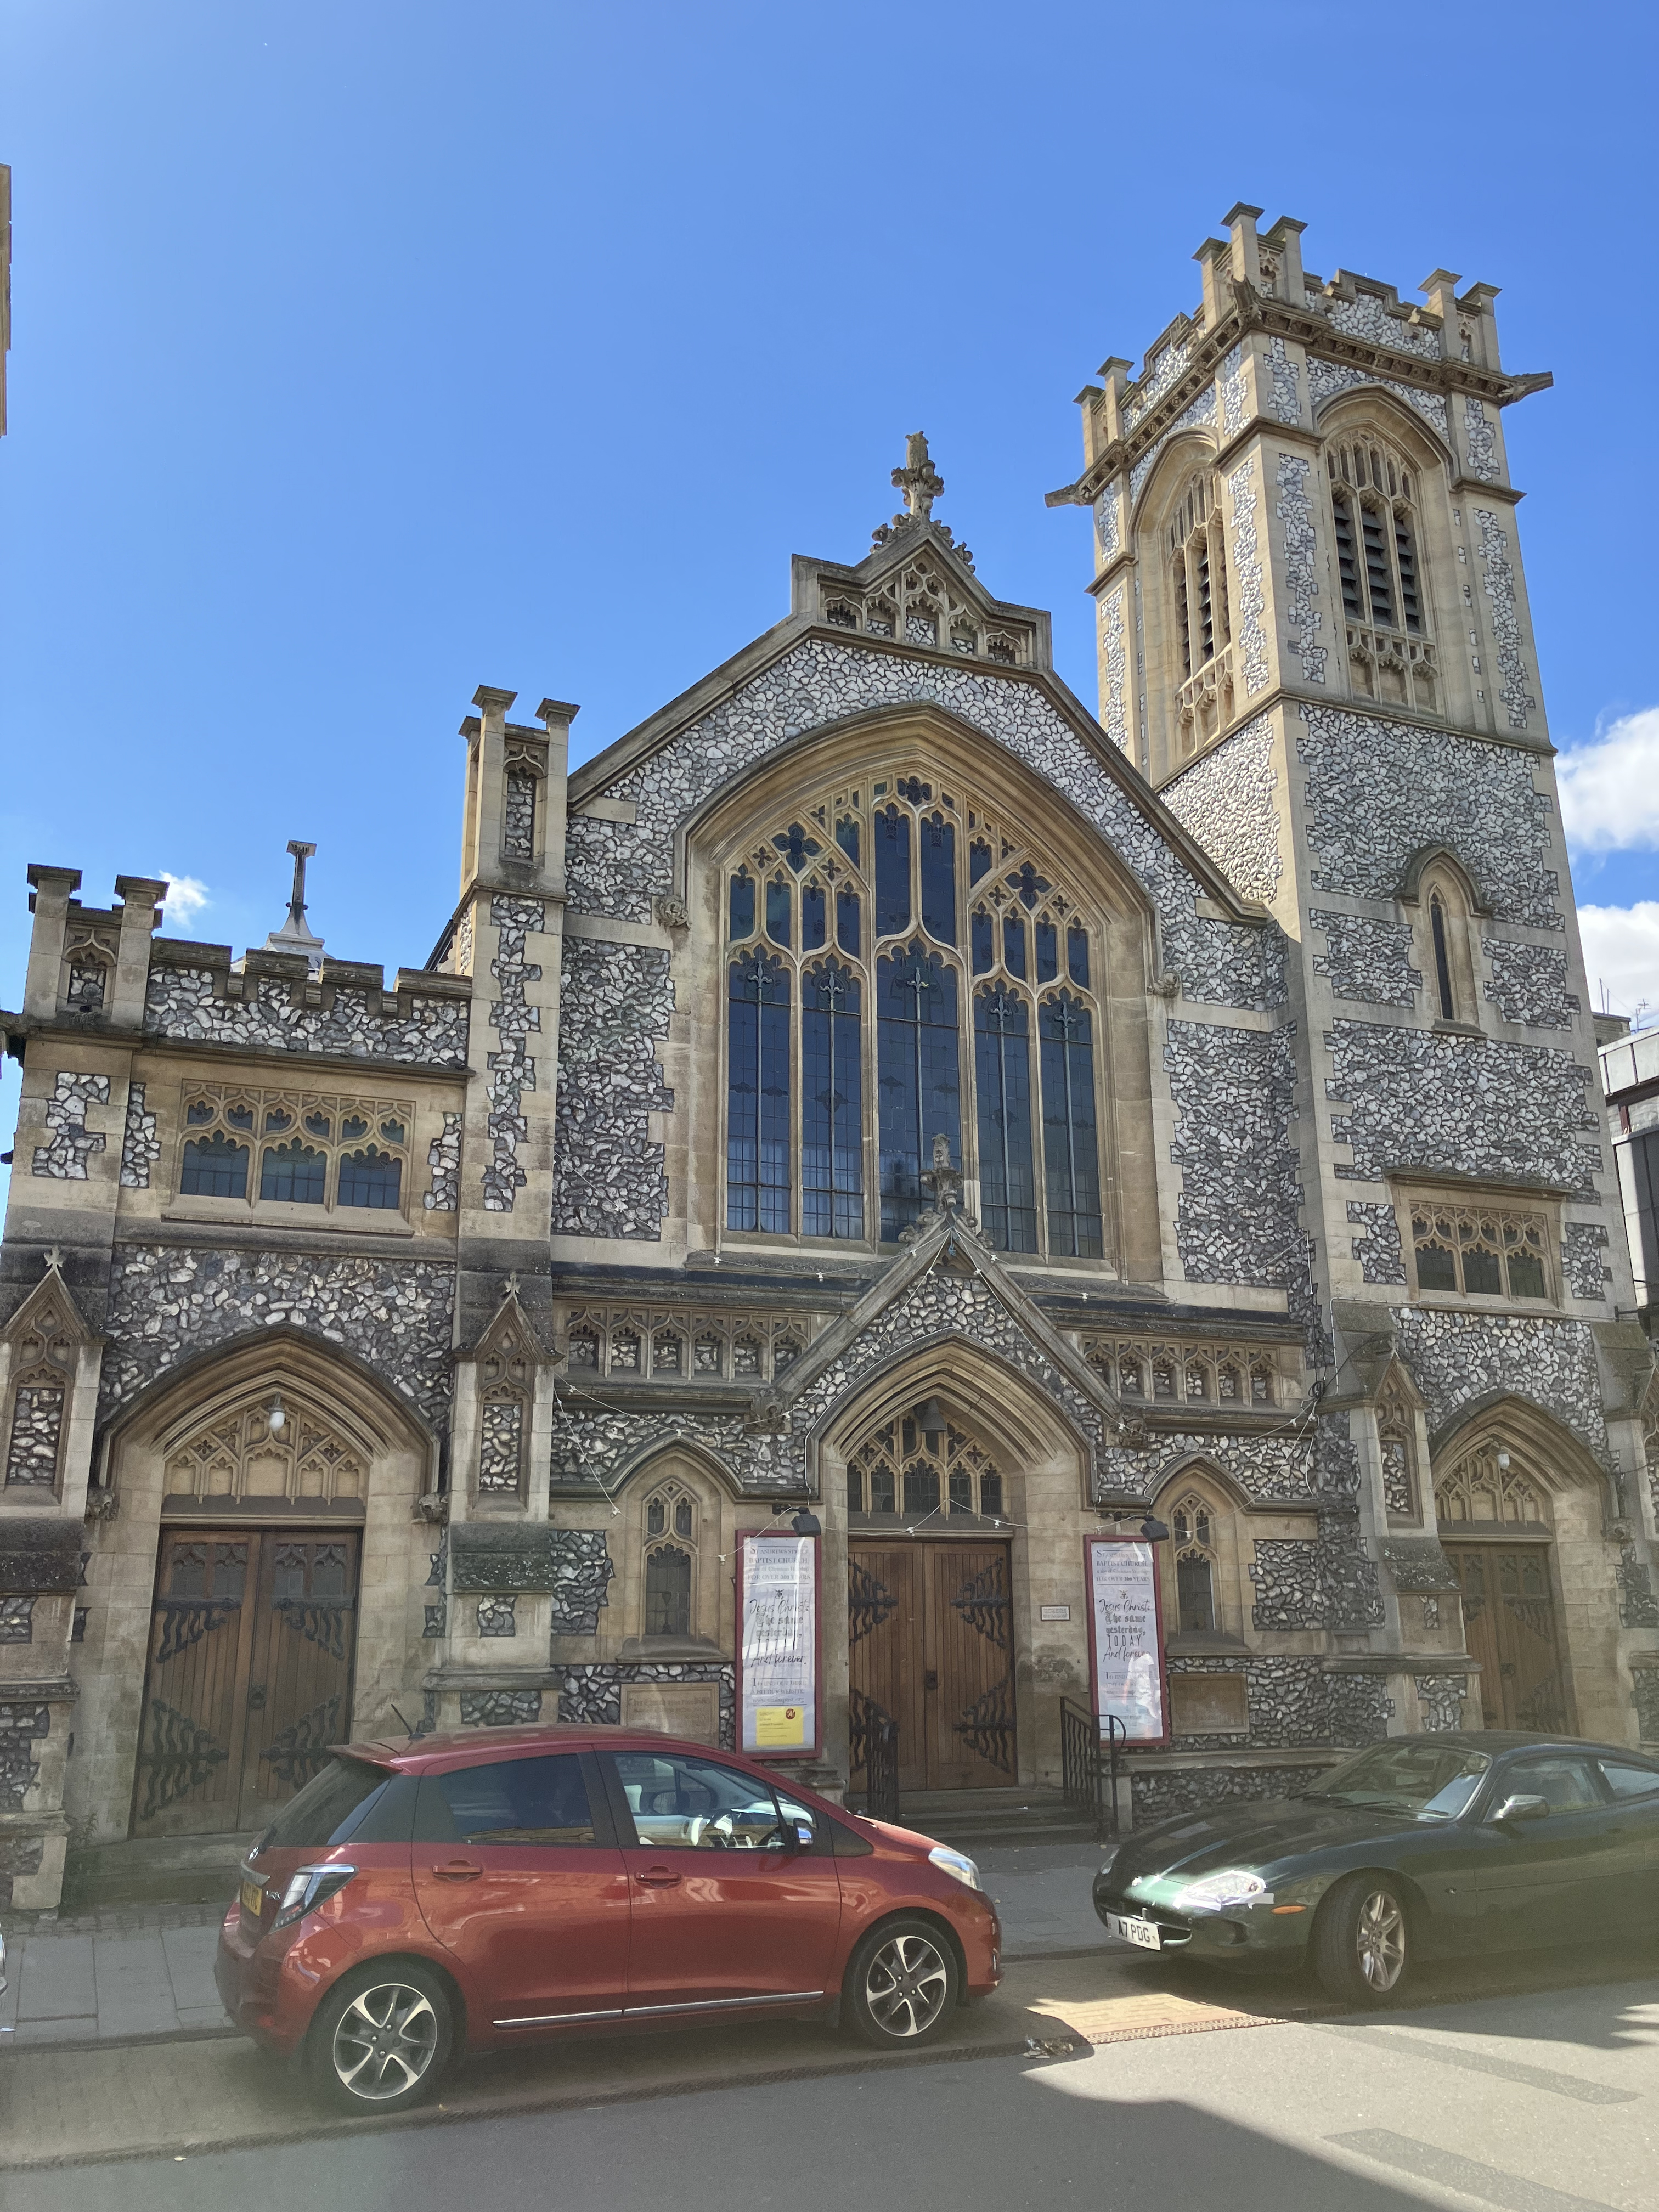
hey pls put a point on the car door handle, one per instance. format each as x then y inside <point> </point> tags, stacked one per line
<point>458,1870</point>
<point>658,1877</point>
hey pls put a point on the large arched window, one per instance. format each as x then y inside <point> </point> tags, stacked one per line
<point>1375,508</point>
<point>904,964</point>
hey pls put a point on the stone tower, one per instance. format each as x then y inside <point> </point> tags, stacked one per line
<point>1314,641</point>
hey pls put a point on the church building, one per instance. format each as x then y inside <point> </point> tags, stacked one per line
<point>878,1095</point>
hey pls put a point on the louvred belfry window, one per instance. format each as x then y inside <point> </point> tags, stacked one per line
<point>903,965</point>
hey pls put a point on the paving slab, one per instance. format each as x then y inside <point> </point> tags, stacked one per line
<point>56,1981</point>
<point>189,1952</point>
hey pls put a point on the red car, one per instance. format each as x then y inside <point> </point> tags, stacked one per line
<point>474,1890</point>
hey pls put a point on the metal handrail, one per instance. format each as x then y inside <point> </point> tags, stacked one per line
<point>1087,1762</point>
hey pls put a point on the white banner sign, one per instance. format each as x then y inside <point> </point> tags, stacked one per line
<point>778,1673</point>
<point>1126,1623</point>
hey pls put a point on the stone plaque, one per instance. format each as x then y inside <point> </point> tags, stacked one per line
<point>687,1708</point>
<point>1208,1704</point>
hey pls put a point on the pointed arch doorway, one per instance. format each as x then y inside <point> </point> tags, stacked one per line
<point>930,1603</point>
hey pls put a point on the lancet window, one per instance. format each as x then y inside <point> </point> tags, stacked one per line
<point>903,965</point>
<point>1375,510</point>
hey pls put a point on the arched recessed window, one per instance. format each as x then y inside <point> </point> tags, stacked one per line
<point>757,1179</point>
<point>1445,943</point>
<point>671,1532</point>
<point>1198,574</point>
<point>1375,511</point>
<point>1192,1532</point>
<point>922,887</point>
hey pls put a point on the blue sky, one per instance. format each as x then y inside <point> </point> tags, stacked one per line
<point>366,352</point>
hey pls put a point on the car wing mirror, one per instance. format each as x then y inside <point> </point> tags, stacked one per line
<point>1522,1808</point>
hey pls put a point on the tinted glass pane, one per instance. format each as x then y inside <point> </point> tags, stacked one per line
<point>743,907</point>
<point>1002,1062</point>
<point>978,860</point>
<point>1077,956</point>
<point>917,1077</point>
<point>848,933</point>
<point>668,1592</point>
<point>213,1167</point>
<point>1480,1272</point>
<point>832,1103</point>
<point>1527,1276</point>
<point>692,1804</point>
<point>294,1175</point>
<point>328,1810</point>
<point>777,911</point>
<point>757,1097</point>
<point>983,933</point>
<point>1048,952</point>
<point>1071,1149</point>
<point>1629,1781</point>
<point>1436,1270</point>
<point>370,1178</point>
<point>1014,944</point>
<point>1566,1782</point>
<point>519,1801</point>
<point>847,836</point>
<point>892,835</point>
<point>1194,1593</point>
<point>813,918</point>
<point>921,1488</point>
<point>939,879</point>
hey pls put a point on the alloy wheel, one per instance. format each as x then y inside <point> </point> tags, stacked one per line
<point>905,1985</point>
<point>384,2041</point>
<point>1380,1940</point>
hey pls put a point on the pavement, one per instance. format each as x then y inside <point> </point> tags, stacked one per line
<point>136,1972</point>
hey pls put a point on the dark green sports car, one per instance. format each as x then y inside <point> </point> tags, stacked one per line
<point>1423,1846</point>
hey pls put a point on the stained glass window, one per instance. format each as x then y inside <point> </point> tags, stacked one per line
<point>832,1103</point>
<point>917,1077</point>
<point>1002,1059</point>
<point>757,1111</point>
<point>1070,1143</point>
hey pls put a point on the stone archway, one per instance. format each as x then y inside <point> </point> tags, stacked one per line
<point>1521,1509</point>
<point>254,1590</point>
<point>954,1499</point>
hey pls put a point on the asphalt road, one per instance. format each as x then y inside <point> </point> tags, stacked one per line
<point>1546,2101</point>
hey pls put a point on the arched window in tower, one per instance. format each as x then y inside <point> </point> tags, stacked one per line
<point>832,1103</point>
<point>1071,1145</point>
<point>671,1549</point>
<point>1198,568</point>
<point>1443,977</point>
<point>1374,495</point>
<point>757,1126</point>
<point>929,888</point>
<point>1002,1066</point>
<point>917,1076</point>
<point>1193,1532</point>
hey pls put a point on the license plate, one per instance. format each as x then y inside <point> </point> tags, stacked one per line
<point>1143,1932</point>
<point>253,1900</point>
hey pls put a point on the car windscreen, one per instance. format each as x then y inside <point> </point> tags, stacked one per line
<point>329,1809</point>
<point>1424,1781</point>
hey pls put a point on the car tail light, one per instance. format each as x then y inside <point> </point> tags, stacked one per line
<point>311,1886</point>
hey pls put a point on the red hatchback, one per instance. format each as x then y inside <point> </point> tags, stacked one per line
<point>475,1890</point>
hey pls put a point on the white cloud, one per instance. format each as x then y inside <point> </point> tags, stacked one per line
<point>186,896</point>
<point>1610,787</point>
<point>1621,951</point>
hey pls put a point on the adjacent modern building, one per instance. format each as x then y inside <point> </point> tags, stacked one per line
<point>877,1084</point>
<point>1630,1079</point>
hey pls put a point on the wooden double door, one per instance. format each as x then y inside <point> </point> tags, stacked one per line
<point>1510,1626</point>
<point>251,1640</point>
<point>931,1638</point>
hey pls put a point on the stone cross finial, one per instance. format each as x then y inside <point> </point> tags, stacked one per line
<point>296,935</point>
<point>919,480</point>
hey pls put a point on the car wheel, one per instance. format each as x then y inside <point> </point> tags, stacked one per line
<point>1362,1941</point>
<point>381,2038</point>
<point>902,1985</point>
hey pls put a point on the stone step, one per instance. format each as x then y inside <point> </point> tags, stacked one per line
<point>156,1870</point>
<point>985,1817</point>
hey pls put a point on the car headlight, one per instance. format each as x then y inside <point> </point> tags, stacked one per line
<point>1215,1891</point>
<point>957,1864</point>
<point>312,1885</point>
